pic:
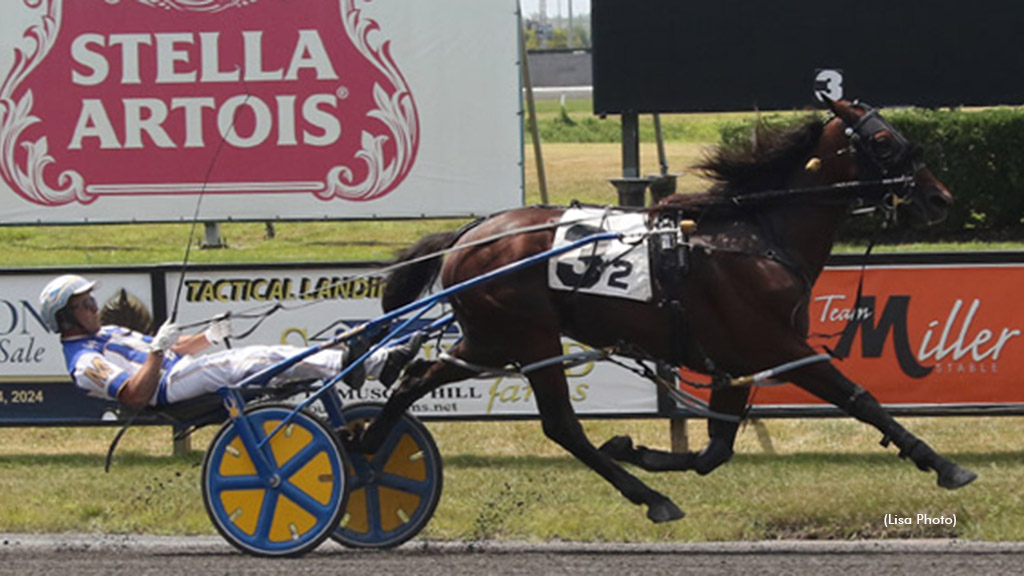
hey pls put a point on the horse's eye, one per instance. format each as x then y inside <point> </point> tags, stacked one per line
<point>883,146</point>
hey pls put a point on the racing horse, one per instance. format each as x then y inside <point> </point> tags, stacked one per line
<point>765,229</point>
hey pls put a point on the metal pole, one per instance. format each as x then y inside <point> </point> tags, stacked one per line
<point>631,187</point>
<point>570,39</point>
<point>663,184</point>
<point>630,145</point>
<point>538,155</point>
<point>662,159</point>
<point>680,440</point>
<point>212,237</point>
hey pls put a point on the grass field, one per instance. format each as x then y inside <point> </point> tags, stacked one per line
<point>809,479</point>
<point>818,479</point>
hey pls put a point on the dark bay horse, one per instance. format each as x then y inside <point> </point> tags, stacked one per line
<point>764,233</point>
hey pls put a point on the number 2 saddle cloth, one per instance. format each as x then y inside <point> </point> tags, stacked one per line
<point>618,268</point>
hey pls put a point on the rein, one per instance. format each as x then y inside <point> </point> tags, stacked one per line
<point>841,191</point>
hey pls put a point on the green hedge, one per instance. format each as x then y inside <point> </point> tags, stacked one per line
<point>585,127</point>
<point>979,155</point>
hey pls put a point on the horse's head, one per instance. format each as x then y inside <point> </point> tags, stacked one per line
<point>868,148</point>
<point>126,310</point>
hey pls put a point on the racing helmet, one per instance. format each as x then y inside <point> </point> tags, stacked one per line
<point>56,294</point>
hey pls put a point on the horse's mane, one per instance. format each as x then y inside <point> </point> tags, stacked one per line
<point>763,163</point>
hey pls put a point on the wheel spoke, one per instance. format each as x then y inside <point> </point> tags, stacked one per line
<point>305,501</point>
<point>266,520</point>
<point>300,459</point>
<point>375,529</point>
<point>404,484</point>
<point>227,483</point>
<point>383,453</point>
<point>360,472</point>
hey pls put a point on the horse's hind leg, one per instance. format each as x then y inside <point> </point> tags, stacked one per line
<point>561,425</point>
<point>826,382</point>
<point>421,378</point>
<point>722,433</point>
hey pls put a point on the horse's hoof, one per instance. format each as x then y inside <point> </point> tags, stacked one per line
<point>956,477</point>
<point>665,511</point>
<point>618,448</point>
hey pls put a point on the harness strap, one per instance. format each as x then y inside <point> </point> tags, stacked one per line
<point>683,400</point>
<point>565,360</point>
<point>764,377</point>
<point>481,371</point>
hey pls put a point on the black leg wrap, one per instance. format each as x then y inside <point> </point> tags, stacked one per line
<point>717,452</point>
<point>621,448</point>
<point>919,453</point>
<point>859,402</point>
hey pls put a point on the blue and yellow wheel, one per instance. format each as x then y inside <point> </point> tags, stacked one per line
<point>393,493</point>
<point>293,507</point>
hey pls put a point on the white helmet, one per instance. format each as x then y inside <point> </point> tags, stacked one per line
<point>56,294</point>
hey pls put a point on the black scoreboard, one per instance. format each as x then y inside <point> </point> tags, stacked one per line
<point>707,55</point>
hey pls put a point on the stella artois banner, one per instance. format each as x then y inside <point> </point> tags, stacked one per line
<point>135,110</point>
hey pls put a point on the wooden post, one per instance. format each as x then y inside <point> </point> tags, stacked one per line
<point>677,429</point>
<point>182,446</point>
<point>531,110</point>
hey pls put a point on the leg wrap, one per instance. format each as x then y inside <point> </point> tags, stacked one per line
<point>859,402</point>
<point>717,452</point>
<point>864,407</point>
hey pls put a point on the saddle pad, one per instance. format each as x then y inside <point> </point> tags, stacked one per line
<point>607,268</point>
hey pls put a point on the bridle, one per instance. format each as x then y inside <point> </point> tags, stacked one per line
<point>882,152</point>
<point>881,149</point>
<point>887,165</point>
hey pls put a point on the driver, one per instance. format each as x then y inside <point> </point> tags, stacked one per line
<point>137,370</point>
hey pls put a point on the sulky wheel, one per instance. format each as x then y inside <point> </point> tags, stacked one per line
<point>296,504</point>
<point>393,493</point>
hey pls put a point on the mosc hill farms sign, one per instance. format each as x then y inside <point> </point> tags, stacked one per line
<point>274,108</point>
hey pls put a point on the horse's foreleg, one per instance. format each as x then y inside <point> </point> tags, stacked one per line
<point>561,425</point>
<point>722,434</point>
<point>826,382</point>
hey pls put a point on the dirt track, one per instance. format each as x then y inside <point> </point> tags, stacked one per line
<point>138,555</point>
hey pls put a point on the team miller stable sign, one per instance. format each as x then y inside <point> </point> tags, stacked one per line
<point>133,110</point>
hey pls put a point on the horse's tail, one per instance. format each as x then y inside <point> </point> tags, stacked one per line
<point>406,283</point>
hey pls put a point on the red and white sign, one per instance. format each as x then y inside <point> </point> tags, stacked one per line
<point>130,110</point>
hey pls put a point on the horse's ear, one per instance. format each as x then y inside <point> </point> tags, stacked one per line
<point>842,110</point>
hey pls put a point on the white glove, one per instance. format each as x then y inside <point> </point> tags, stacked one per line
<point>219,330</point>
<point>166,337</point>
